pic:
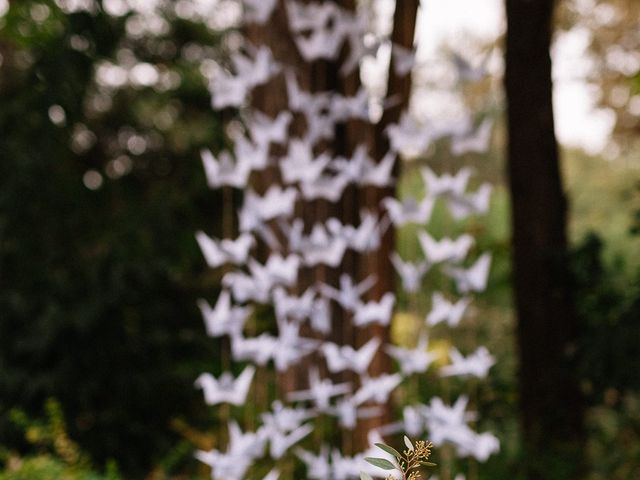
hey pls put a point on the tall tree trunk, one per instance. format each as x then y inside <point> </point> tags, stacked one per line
<point>322,76</point>
<point>550,401</point>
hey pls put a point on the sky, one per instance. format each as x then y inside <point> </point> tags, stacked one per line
<point>462,22</point>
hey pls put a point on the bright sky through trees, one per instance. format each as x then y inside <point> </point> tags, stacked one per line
<point>466,27</point>
<point>461,23</point>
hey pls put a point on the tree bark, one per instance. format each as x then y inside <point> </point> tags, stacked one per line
<point>322,76</point>
<point>551,406</point>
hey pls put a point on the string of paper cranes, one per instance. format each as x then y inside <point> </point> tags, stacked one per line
<point>308,172</point>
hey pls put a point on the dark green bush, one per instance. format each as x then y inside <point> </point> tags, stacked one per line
<point>98,287</point>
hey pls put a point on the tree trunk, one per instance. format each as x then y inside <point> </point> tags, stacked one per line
<point>550,401</point>
<point>322,76</point>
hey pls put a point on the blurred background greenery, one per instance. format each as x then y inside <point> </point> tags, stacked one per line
<point>102,115</point>
<point>101,193</point>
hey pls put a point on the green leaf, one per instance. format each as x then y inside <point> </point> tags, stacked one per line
<point>408,443</point>
<point>428,464</point>
<point>381,463</point>
<point>389,450</point>
<point>365,476</point>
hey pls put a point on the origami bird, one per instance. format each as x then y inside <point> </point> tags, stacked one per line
<point>410,273</point>
<point>242,450</point>
<point>318,465</point>
<point>377,389</point>
<point>223,319</point>
<point>346,357</point>
<point>349,293</point>
<point>474,278</point>
<point>446,185</point>
<point>220,252</point>
<point>444,311</point>
<point>475,140</point>
<point>320,391</point>
<point>375,311</point>
<point>446,249</point>
<point>475,203</point>
<point>409,210</point>
<point>416,360</point>
<point>226,389</point>
<point>476,364</point>
<point>225,171</point>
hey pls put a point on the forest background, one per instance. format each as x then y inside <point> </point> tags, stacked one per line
<point>101,189</point>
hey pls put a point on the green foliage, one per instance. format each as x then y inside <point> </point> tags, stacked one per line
<point>44,467</point>
<point>608,299</point>
<point>408,463</point>
<point>604,200</point>
<point>390,450</point>
<point>609,307</point>
<point>58,456</point>
<point>488,322</point>
<point>98,285</point>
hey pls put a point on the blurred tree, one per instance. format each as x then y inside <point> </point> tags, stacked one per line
<point>612,62</point>
<point>102,112</point>
<point>550,400</point>
<point>610,349</point>
<point>320,76</point>
<point>609,303</point>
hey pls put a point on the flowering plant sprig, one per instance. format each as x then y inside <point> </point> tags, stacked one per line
<point>408,462</point>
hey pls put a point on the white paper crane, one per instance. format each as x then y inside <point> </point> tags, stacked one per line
<point>349,293</point>
<point>243,449</point>
<point>410,273</point>
<point>442,310</point>
<point>409,210</point>
<point>219,252</point>
<point>415,360</point>
<point>474,278</point>
<point>340,358</point>
<point>446,249</point>
<point>320,391</point>
<point>375,311</point>
<point>476,364</point>
<point>224,171</point>
<point>223,319</point>
<point>446,185</point>
<point>377,389</point>
<point>226,388</point>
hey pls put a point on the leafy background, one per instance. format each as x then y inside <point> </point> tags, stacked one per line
<point>99,271</point>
